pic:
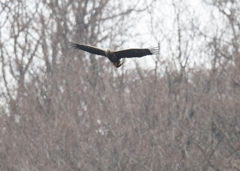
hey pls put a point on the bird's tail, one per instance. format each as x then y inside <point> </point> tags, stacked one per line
<point>155,50</point>
<point>117,64</point>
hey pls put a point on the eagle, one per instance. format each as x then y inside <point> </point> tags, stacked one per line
<point>115,56</point>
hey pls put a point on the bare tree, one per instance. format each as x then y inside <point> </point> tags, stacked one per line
<point>63,109</point>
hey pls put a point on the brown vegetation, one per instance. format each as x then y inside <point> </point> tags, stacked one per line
<point>65,110</point>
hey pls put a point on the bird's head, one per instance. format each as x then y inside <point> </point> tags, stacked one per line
<point>108,52</point>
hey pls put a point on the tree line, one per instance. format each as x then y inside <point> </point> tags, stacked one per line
<point>63,109</point>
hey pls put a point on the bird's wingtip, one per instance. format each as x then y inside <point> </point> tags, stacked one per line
<point>73,45</point>
<point>154,50</point>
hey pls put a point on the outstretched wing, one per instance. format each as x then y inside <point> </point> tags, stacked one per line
<point>89,49</point>
<point>131,53</point>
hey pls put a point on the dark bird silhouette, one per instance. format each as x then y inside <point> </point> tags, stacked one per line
<point>115,56</point>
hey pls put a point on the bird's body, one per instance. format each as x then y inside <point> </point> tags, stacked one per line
<point>112,57</point>
<point>115,56</point>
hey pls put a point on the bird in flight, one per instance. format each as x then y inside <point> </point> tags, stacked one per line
<point>115,56</point>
